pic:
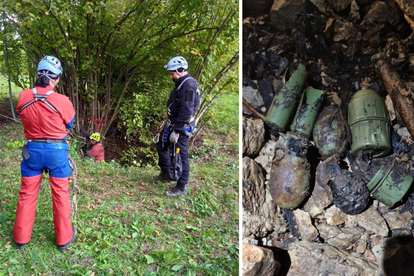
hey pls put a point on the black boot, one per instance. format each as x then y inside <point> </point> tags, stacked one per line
<point>163,176</point>
<point>64,247</point>
<point>178,190</point>
<point>20,246</point>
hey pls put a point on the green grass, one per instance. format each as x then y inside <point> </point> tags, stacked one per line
<point>126,224</point>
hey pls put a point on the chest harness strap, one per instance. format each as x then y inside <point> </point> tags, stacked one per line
<point>41,98</point>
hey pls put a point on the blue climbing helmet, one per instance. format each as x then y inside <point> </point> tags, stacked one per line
<point>51,64</point>
<point>177,63</point>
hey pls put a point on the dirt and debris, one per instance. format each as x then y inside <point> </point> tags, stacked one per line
<point>336,42</point>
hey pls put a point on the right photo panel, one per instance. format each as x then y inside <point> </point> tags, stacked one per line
<point>327,146</point>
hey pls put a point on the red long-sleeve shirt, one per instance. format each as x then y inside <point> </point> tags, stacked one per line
<point>97,152</point>
<point>39,120</point>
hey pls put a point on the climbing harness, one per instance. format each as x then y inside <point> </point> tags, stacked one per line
<point>41,98</point>
<point>75,188</point>
<point>164,126</point>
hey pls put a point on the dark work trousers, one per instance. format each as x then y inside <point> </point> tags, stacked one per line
<point>164,155</point>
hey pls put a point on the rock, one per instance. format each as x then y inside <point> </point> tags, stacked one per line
<point>309,258</point>
<point>378,251</point>
<point>283,13</point>
<point>369,256</point>
<point>306,228</point>
<point>408,8</point>
<point>381,12</point>
<point>360,246</point>
<point>323,7</point>
<point>344,31</point>
<point>260,215</point>
<point>253,136</point>
<point>354,14</point>
<point>334,216</point>
<point>252,96</point>
<point>256,8</point>
<point>266,156</point>
<point>396,220</point>
<point>258,261</point>
<point>373,222</point>
<point>321,197</point>
<point>339,237</point>
<point>339,5</point>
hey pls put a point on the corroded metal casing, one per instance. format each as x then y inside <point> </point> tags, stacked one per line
<point>286,101</point>
<point>390,183</point>
<point>369,124</point>
<point>290,178</point>
<point>307,111</point>
<point>330,132</point>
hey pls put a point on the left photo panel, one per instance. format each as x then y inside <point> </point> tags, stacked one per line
<point>119,137</point>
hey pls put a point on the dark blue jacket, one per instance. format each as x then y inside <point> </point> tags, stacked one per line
<point>183,102</point>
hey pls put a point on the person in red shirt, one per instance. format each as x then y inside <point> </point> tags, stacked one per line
<point>97,150</point>
<point>45,116</point>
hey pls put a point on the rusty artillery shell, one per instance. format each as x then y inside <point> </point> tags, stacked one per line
<point>290,178</point>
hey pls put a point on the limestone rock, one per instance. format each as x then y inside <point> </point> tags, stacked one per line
<point>306,228</point>
<point>381,12</point>
<point>266,156</point>
<point>395,220</point>
<point>253,97</point>
<point>324,259</point>
<point>339,237</point>
<point>260,215</point>
<point>372,221</point>
<point>283,13</point>
<point>258,261</point>
<point>253,136</point>
<point>334,216</point>
<point>321,197</point>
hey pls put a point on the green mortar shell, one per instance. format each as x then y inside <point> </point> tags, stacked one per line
<point>369,124</point>
<point>387,186</point>
<point>307,111</point>
<point>286,101</point>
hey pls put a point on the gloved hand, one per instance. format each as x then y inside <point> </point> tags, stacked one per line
<point>174,137</point>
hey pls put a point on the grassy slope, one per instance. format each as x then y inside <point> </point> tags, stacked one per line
<point>126,224</point>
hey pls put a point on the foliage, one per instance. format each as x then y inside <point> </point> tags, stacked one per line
<point>113,50</point>
<point>126,225</point>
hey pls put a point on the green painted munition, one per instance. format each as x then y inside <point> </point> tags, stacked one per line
<point>286,101</point>
<point>307,111</point>
<point>330,132</point>
<point>369,124</point>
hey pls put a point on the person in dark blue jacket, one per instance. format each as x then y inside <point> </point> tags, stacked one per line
<point>182,105</point>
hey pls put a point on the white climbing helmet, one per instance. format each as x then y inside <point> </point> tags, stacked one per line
<point>177,63</point>
<point>50,63</point>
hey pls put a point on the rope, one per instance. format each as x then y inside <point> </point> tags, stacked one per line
<point>75,188</point>
<point>98,122</point>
